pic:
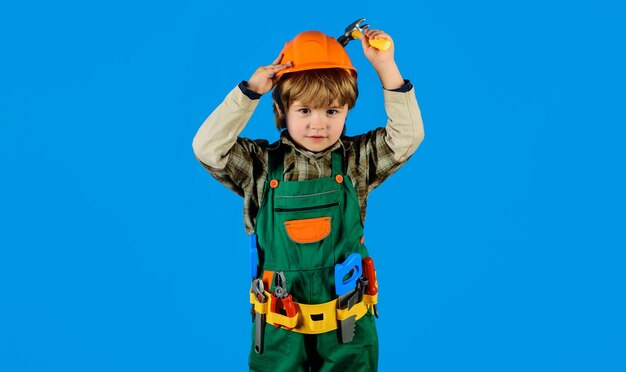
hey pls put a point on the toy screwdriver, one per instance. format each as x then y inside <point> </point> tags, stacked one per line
<point>370,274</point>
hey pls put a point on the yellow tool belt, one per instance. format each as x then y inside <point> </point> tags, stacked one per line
<point>313,319</point>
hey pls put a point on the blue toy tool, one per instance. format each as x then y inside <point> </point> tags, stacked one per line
<point>351,266</point>
<point>254,256</point>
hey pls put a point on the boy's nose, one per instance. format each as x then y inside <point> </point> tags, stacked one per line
<point>317,122</point>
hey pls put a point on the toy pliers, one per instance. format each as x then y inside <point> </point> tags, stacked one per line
<point>282,303</point>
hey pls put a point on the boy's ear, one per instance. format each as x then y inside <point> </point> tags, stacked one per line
<point>280,112</point>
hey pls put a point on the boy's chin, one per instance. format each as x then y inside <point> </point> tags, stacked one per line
<point>315,147</point>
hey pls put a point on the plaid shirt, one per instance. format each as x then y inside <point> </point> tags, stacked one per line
<point>368,161</point>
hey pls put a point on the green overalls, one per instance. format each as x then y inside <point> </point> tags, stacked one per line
<point>304,229</point>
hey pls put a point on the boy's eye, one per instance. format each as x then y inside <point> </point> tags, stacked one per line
<point>304,110</point>
<point>332,112</point>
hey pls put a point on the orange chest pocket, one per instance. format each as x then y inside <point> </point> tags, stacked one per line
<point>308,230</point>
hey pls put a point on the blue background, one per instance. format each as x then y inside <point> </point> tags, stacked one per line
<point>499,245</point>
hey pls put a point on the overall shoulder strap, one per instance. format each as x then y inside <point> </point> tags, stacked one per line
<point>275,166</point>
<point>337,162</point>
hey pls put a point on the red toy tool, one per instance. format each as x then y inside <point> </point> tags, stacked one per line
<point>370,273</point>
<point>282,302</point>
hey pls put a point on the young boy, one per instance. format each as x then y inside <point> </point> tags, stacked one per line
<point>305,198</point>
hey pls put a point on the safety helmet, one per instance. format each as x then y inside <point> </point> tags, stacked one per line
<point>311,50</point>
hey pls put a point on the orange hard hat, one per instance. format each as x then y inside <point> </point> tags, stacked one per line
<point>311,50</point>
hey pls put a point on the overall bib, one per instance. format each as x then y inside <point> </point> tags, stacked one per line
<point>304,229</point>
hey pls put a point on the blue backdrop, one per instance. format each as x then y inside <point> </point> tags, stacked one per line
<point>499,246</point>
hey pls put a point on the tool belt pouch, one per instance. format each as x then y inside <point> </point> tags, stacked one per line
<point>370,301</point>
<point>271,317</point>
<point>282,320</point>
<point>259,307</point>
<point>357,310</point>
<point>313,319</point>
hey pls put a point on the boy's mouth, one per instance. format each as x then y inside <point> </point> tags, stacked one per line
<point>316,138</point>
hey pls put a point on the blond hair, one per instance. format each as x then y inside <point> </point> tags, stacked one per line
<point>315,88</point>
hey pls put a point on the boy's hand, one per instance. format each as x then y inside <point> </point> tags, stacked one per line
<point>263,80</point>
<point>376,56</point>
<point>382,60</point>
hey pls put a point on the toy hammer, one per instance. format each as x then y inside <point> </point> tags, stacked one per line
<point>355,31</point>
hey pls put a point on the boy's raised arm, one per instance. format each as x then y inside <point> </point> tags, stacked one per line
<point>404,130</point>
<point>382,60</point>
<point>219,132</point>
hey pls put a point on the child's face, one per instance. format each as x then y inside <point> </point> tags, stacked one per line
<point>316,129</point>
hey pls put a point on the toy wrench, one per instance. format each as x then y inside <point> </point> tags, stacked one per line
<point>259,320</point>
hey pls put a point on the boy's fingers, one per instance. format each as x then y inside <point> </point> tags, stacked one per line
<point>365,41</point>
<point>276,68</point>
<point>277,60</point>
<point>375,34</point>
<point>280,66</point>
